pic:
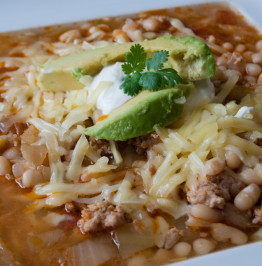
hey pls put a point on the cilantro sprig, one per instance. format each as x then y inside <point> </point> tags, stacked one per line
<point>148,74</point>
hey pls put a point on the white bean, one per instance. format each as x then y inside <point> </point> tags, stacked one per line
<point>182,249</point>
<point>135,36</point>
<point>31,177</point>
<point>130,26</point>
<point>18,168</point>
<point>203,246</point>
<point>228,46</point>
<point>259,45</point>
<point>250,79</point>
<point>240,48</point>
<point>12,153</point>
<point>257,58</point>
<point>247,197</point>
<point>5,166</point>
<point>221,61</point>
<point>232,160</point>
<point>225,233</point>
<point>120,36</point>
<point>204,212</point>
<point>149,35</point>
<point>214,166</point>
<point>259,79</point>
<point>253,69</point>
<point>151,24</point>
<point>252,176</point>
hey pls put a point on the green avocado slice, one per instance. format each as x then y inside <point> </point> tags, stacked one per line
<point>190,57</point>
<point>139,115</point>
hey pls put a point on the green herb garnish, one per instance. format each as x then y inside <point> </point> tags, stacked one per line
<point>154,79</point>
<point>78,72</point>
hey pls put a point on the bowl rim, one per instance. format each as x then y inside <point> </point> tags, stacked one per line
<point>28,15</point>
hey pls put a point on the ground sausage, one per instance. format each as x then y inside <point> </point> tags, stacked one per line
<point>206,193</point>
<point>257,215</point>
<point>101,146</point>
<point>172,237</point>
<point>233,61</point>
<point>143,143</point>
<point>215,191</point>
<point>101,216</point>
<point>229,187</point>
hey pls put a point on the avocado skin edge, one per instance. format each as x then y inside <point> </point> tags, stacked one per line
<point>190,57</point>
<point>141,114</point>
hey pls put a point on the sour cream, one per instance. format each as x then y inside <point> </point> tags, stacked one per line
<point>112,96</point>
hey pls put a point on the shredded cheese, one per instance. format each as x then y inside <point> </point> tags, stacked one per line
<point>206,128</point>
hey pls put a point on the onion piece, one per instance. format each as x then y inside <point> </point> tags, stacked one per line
<point>160,234</point>
<point>235,217</point>
<point>35,155</point>
<point>92,252</point>
<point>129,241</point>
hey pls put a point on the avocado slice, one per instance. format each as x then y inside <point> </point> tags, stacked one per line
<point>139,115</point>
<point>190,57</point>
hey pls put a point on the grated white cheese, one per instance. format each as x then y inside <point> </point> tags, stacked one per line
<point>75,166</point>
<point>245,112</point>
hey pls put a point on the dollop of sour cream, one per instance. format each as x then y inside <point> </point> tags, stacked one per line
<point>112,96</point>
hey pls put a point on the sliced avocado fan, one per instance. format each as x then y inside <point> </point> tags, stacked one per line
<point>141,114</point>
<point>190,57</point>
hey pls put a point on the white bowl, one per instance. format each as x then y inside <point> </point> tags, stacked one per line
<point>17,14</point>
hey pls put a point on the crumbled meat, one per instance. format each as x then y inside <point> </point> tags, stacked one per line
<point>257,215</point>
<point>235,61</point>
<point>228,185</point>
<point>206,193</point>
<point>101,146</point>
<point>215,191</point>
<point>172,237</point>
<point>143,143</point>
<point>101,216</point>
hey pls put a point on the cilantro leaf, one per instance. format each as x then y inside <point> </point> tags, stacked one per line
<point>130,84</point>
<point>152,81</point>
<point>155,78</point>
<point>135,60</point>
<point>78,72</point>
<point>157,61</point>
<point>158,80</point>
<point>171,76</point>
